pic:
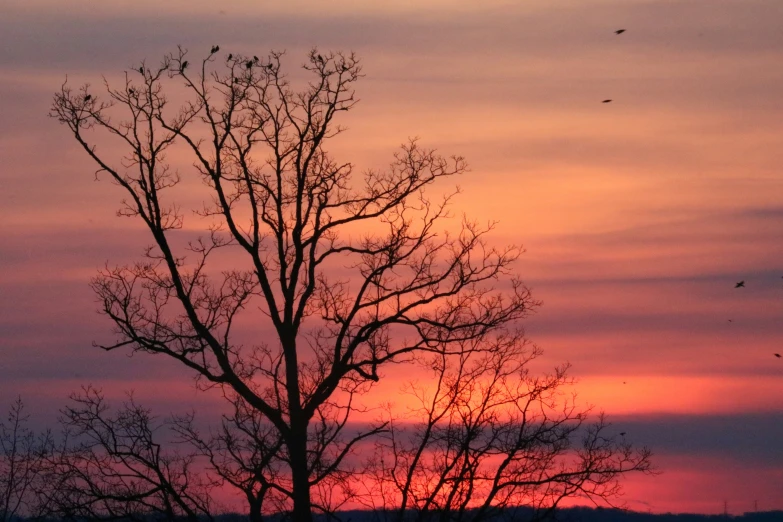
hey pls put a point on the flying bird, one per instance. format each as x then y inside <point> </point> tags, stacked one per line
<point>741,284</point>
<point>622,434</point>
<point>777,355</point>
<point>607,101</point>
<point>619,31</point>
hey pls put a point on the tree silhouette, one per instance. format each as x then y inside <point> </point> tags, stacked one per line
<point>245,453</point>
<point>115,465</point>
<point>350,273</point>
<point>23,455</point>
<point>486,435</point>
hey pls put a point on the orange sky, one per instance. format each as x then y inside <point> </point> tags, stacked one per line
<point>638,216</point>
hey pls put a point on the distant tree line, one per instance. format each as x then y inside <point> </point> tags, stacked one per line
<point>126,464</point>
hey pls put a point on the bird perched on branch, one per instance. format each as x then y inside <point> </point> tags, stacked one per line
<point>215,48</point>
<point>184,64</point>
<point>249,64</point>
<point>88,97</point>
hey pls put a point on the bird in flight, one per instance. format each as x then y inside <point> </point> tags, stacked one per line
<point>619,31</point>
<point>622,434</point>
<point>607,101</point>
<point>777,355</point>
<point>741,284</point>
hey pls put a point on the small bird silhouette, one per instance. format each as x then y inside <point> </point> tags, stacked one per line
<point>215,48</point>
<point>607,101</point>
<point>230,56</point>
<point>623,382</point>
<point>741,284</point>
<point>249,64</point>
<point>131,91</point>
<point>619,31</point>
<point>255,58</point>
<point>88,97</point>
<point>320,58</point>
<point>184,64</point>
<point>141,70</point>
<point>777,355</point>
<point>622,434</point>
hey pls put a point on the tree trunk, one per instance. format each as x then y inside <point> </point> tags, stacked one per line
<point>297,440</point>
<point>297,449</point>
<point>254,502</point>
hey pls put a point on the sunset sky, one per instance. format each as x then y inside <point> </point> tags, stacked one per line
<point>638,216</point>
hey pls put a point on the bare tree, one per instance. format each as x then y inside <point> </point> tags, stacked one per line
<point>22,455</point>
<point>484,435</point>
<point>350,273</point>
<point>115,465</point>
<point>246,452</point>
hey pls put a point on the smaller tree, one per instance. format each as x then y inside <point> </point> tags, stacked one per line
<point>22,456</point>
<point>485,435</point>
<point>246,453</point>
<point>114,465</point>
